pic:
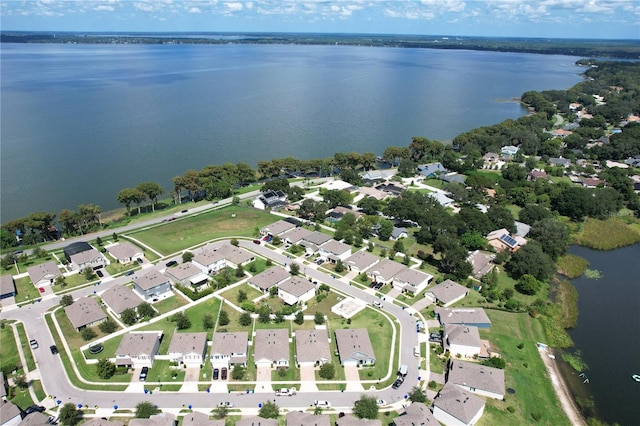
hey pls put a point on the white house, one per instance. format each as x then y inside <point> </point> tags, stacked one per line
<point>124,252</point>
<point>228,349</point>
<point>335,250</point>
<point>462,340</point>
<point>43,274</point>
<point>312,347</point>
<point>188,348</point>
<point>271,348</point>
<point>138,349</point>
<point>411,280</point>
<point>296,289</point>
<point>477,378</point>
<point>453,406</point>
<point>354,347</point>
<point>447,292</point>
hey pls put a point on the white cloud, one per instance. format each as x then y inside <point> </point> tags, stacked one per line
<point>234,6</point>
<point>145,7</point>
<point>195,10</point>
<point>103,8</point>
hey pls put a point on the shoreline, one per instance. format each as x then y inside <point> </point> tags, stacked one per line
<point>561,389</point>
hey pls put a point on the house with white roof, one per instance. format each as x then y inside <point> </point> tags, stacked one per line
<point>476,317</point>
<point>453,406</point>
<point>44,273</point>
<point>296,290</point>
<point>477,378</point>
<point>229,349</point>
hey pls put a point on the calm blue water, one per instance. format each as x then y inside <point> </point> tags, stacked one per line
<point>608,333</point>
<point>81,122</point>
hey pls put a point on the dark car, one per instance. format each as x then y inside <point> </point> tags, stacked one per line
<point>140,261</point>
<point>143,374</point>
<point>171,263</point>
<point>216,373</point>
<point>99,273</point>
<point>34,408</point>
<point>398,382</point>
<point>129,273</point>
<point>53,349</point>
<point>223,373</point>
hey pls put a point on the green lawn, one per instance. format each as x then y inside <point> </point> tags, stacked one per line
<point>525,372</point>
<point>8,349</point>
<point>26,348</point>
<point>170,303</point>
<point>162,371</point>
<point>191,231</point>
<point>232,294</point>
<point>25,290</point>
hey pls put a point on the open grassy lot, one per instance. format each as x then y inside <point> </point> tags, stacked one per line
<point>190,231</point>
<point>525,372</point>
<point>163,371</point>
<point>170,303</point>
<point>109,348</point>
<point>606,234</point>
<point>25,291</point>
<point>232,294</point>
<point>9,357</point>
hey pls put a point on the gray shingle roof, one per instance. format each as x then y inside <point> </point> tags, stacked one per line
<point>162,419</point>
<point>232,253</point>
<point>120,298</point>
<point>84,311</point>
<point>124,250</point>
<point>188,343</point>
<point>458,403</point>
<point>256,421</point>
<point>278,227</point>
<point>354,343</point>
<point>463,335</point>
<point>135,344</point>
<point>44,271</point>
<point>386,268</point>
<point>296,235</point>
<point>183,271</point>
<point>316,237</point>
<point>272,344</point>
<point>300,418</point>
<point>462,316</point>
<point>312,345</point>
<point>150,280</point>
<point>7,285</point>
<point>477,376</point>
<point>416,414</point>
<point>200,419</point>
<point>447,291</point>
<point>412,277</point>
<point>336,247</point>
<point>350,420</point>
<point>268,278</point>
<point>225,343</point>
<point>296,286</point>
<point>85,256</point>
<point>362,260</point>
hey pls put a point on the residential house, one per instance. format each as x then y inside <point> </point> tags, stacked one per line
<point>481,263</point>
<point>392,188</point>
<point>592,182</point>
<point>3,386</point>
<point>124,252</point>
<point>453,178</point>
<point>477,378</point>
<point>296,290</point>
<point>416,414</point>
<point>312,242</point>
<point>431,170</point>
<point>338,213</point>
<point>491,158</point>
<point>188,349</point>
<point>271,348</point>
<point>300,418</point>
<point>277,228</point>
<point>399,232</point>
<point>162,419</point>
<point>119,298</point>
<point>453,406</point>
<point>312,347</point>
<point>9,413</point>
<point>138,349</point>
<point>295,236</point>
<point>366,191</point>
<point>43,274</point>
<point>34,418</point>
<point>209,261</point>
<point>561,133</point>
<point>354,347</point>
<point>233,256</point>
<point>81,255</point>
<point>411,280</point>
<point>384,271</point>
<point>447,293</point>
<point>536,174</point>
<point>501,240</point>
<point>560,162</point>
<point>334,250</point>
<point>462,340</point>
<point>463,316</point>
<point>85,312</point>
<point>268,278</point>
<point>373,176</point>
<point>351,420</point>
<point>522,229</point>
<point>271,200</point>
<point>188,275</point>
<point>361,261</point>
<point>101,421</point>
<point>228,349</point>
<point>256,421</point>
<point>152,285</point>
<point>509,150</point>
<point>337,185</point>
<point>197,418</point>
<point>441,198</point>
<point>7,287</point>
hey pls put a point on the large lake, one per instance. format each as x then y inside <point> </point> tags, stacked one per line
<point>608,333</point>
<point>81,122</point>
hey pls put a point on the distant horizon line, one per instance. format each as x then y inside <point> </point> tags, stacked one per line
<point>354,34</point>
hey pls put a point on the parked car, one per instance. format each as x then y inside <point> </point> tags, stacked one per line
<point>416,351</point>
<point>99,273</point>
<point>171,263</point>
<point>41,289</point>
<point>34,408</point>
<point>256,241</point>
<point>225,404</point>
<point>143,374</point>
<point>216,373</point>
<point>33,343</point>
<point>140,261</point>
<point>223,373</point>
<point>398,382</point>
<point>322,404</point>
<point>53,349</point>
<point>377,304</point>
<point>129,273</point>
<point>381,402</point>
<point>285,392</point>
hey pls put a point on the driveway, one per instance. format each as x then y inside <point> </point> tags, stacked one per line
<point>191,377</point>
<point>422,303</point>
<point>353,378</point>
<point>263,379</point>
<point>308,379</point>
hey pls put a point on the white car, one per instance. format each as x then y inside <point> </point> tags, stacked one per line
<point>322,404</point>
<point>225,404</point>
<point>285,392</point>
<point>381,402</point>
<point>377,304</point>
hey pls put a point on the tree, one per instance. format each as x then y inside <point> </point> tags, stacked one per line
<point>366,408</point>
<point>87,334</point>
<point>327,371</point>
<point>66,300</point>
<point>527,284</point>
<point>182,320</point>
<point>187,256</point>
<point>88,273</point>
<point>145,409</point>
<point>105,368</point>
<point>369,205</point>
<point>152,190</point>
<point>386,229</point>
<point>294,268</point>
<point>242,296</point>
<point>264,314</point>
<point>269,410</point>
<point>319,318</point>
<point>21,381</point>
<point>552,235</point>
<point>418,395</point>
<point>339,266</point>
<point>145,310</point>
<point>129,196</point>
<point>129,316</point>
<point>223,318</point>
<point>220,412</point>
<point>299,319</point>
<point>108,326</point>
<point>245,319</point>
<point>68,414</point>
<point>495,362</point>
<point>238,372</point>
<point>530,259</point>
<point>207,321</point>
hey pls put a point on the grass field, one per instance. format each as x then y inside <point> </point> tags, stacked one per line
<point>8,350</point>
<point>525,372</point>
<point>606,234</point>
<point>191,231</point>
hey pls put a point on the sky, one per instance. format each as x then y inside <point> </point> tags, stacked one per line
<point>610,19</point>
